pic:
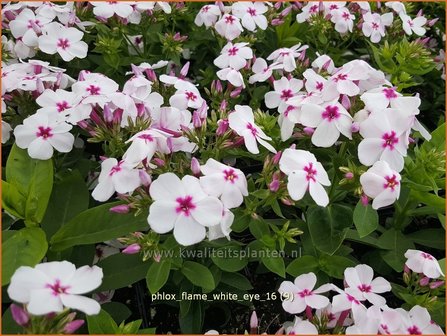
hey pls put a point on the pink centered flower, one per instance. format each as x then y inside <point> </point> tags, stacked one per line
<point>422,262</point>
<point>185,205</point>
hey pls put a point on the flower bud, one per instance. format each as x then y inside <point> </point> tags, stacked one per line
<point>308,130</point>
<point>19,315</point>
<point>223,105</point>
<point>132,249</point>
<point>432,22</point>
<point>365,200</point>
<point>222,127</point>
<point>274,185</point>
<point>72,326</point>
<point>236,92</point>
<point>436,284</point>
<point>276,157</point>
<point>254,323</point>
<point>424,281</point>
<point>277,22</point>
<point>184,70</point>
<point>286,11</point>
<point>195,166</point>
<point>355,127</point>
<point>121,209</point>
<point>345,102</point>
<point>159,162</point>
<point>349,176</point>
<point>145,178</point>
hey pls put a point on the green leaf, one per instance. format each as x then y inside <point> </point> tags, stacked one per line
<point>328,226</point>
<point>236,280</point>
<point>33,179</point>
<point>192,323</point>
<point>198,274</point>
<point>69,197</point>
<point>396,245</point>
<point>130,328</point>
<point>301,265</point>
<point>157,275</point>
<point>259,228</point>
<point>434,238</point>
<point>147,331</point>
<point>275,264</point>
<point>117,310</point>
<point>9,326</point>
<point>25,248</point>
<point>12,200</point>
<point>334,265</point>
<point>121,270</point>
<point>228,260</point>
<point>102,323</point>
<point>96,225</point>
<point>366,219</point>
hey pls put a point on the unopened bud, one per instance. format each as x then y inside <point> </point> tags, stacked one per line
<point>436,284</point>
<point>432,22</point>
<point>277,22</point>
<point>276,157</point>
<point>195,166</point>
<point>121,209</point>
<point>349,176</point>
<point>184,70</point>
<point>424,281</point>
<point>236,92</point>
<point>345,102</point>
<point>72,326</point>
<point>274,185</point>
<point>365,200</point>
<point>308,131</point>
<point>222,127</point>
<point>254,323</point>
<point>132,249</point>
<point>19,315</point>
<point>355,127</point>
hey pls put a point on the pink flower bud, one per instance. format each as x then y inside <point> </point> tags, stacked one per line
<point>365,200</point>
<point>432,22</point>
<point>195,166</point>
<point>292,146</point>
<point>355,127</point>
<point>420,13</point>
<point>424,281</point>
<point>436,284</point>
<point>151,75</point>
<point>254,322</point>
<point>407,270</point>
<point>159,162</point>
<point>132,249</point>
<point>278,4</point>
<point>274,185</point>
<point>277,22</point>
<point>345,102</point>
<point>236,92</point>
<point>222,127</point>
<point>117,116</point>
<point>196,120</point>
<point>19,315</point>
<point>223,105</point>
<point>157,257</point>
<point>286,201</point>
<point>349,176</point>
<point>276,158</point>
<point>121,209</point>
<point>72,326</point>
<point>145,178</point>
<point>184,70</point>
<point>136,70</point>
<point>309,131</point>
<point>108,115</point>
<point>286,11</point>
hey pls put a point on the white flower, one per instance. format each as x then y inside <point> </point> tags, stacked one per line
<point>304,173</point>
<point>284,90</point>
<point>49,287</point>
<point>229,27</point>
<point>54,102</point>
<point>144,144</point>
<point>225,182</point>
<point>64,41</point>
<point>40,134</point>
<point>302,294</point>
<point>330,119</point>
<point>286,56</point>
<point>415,25</point>
<point>187,95</point>
<point>367,322</point>
<point>418,321</point>
<point>300,327</point>
<point>344,301</point>
<point>396,6</point>
<point>26,27</point>
<point>311,8</point>
<point>234,56</point>
<point>374,25</point>
<point>262,71</point>
<point>224,227</point>
<point>330,317</point>
<point>115,176</point>
<point>382,184</point>
<point>422,262</point>
<point>182,205</point>
<point>242,122</point>
<point>343,19</point>
<point>349,73</point>
<point>207,16</point>
<point>231,75</point>
<point>106,9</point>
<point>385,138</point>
<point>251,14</point>
<point>362,285</point>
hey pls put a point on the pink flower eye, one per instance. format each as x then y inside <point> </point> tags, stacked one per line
<point>229,19</point>
<point>253,130</point>
<point>311,172</point>
<point>389,93</point>
<point>390,140</point>
<point>57,288</point>
<point>44,132</point>
<point>286,94</point>
<point>185,205</point>
<point>251,11</point>
<point>62,106</point>
<point>233,51</point>
<point>63,43</point>
<point>230,175</point>
<point>330,113</point>
<point>391,182</point>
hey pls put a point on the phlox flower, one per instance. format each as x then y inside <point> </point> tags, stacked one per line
<point>311,8</point>
<point>229,26</point>
<point>41,133</point>
<point>251,14</point>
<point>324,62</point>
<point>242,122</point>
<point>187,95</point>
<point>284,89</point>
<point>287,120</point>
<point>207,15</point>
<point>286,56</point>
<point>144,144</point>
<point>329,119</point>
<point>234,56</point>
<point>345,77</point>
<point>115,177</point>
<point>107,9</point>
<point>300,327</point>
<point>374,25</point>
<point>225,182</point>
<point>382,184</point>
<point>422,262</point>
<point>396,6</point>
<point>330,7</point>
<point>304,173</point>
<point>304,294</point>
<point>182,205</point>
<point>366,322</point>
<point>417,321</point>
<point>262,71</point>
<point>153,5</point>
<point>27,27</point>
<point>343,19</point>
<point>49,287</point>
<point>231,75</point>
<point>415,25</point>
<point>54,102</point>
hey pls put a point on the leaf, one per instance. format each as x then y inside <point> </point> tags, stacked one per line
<point>335,265</point>
<point>193,321</point>
<point>366,219</point>
<point>68,198</point>
<point>259,228</point>
<point>198,274</point>
<point>131,327</point>
<point>328,226</point>
<point>275,264</point>
<point>26,248</point>
<point>147,331</point>
<point>121,270</point>
<point>157,275</point>
<point>396,245</point>
<point>117,310</point>
<point>236,280</point>
<point>33,179</point>
<point>434,238</point>
<point>230,259</point>
<point>9,326</point>
<point>304,264</point>
<point>102,323</point>
<point>12,200</point>
<point>96,225</point>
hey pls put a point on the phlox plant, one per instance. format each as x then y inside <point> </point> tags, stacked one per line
<point>223,167</point>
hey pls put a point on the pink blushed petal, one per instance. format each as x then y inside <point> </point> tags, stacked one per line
<point>81,303</point>
<point>317,301</point>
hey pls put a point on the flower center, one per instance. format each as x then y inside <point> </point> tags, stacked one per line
<point>251,11</point>
<point>185,205</point>
<point>62,106</point>
<point>345,16</point>
<point>305,293</point>
<point>427,256</point>
<point>414,330</point>
<point>115,169</point>
<point>190,95</point>
<point>146,137</point>
<point>391,182</point>
<point>63,43</point>
<point>230,175</point>
<point>31,23</point>
<point>253,129</point>
<point>311,172</point>
<point>94,90</point>
<point>205,9</point>
<point>375,26</point>
<point>364,288</point>
<point>313,9</point>
<point>330,113</point>
<point>410,23</point>
<point>233,51</point>
<point>229,19</point>
<point>390,140</point>
<point>57,288</point>
<point>319,86</point>
<point>389,93</point>
<point>332,7</point>
<point>286,94</point>
<point>340,77</point>
<point>44,132</point>
<point>352,299</point>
